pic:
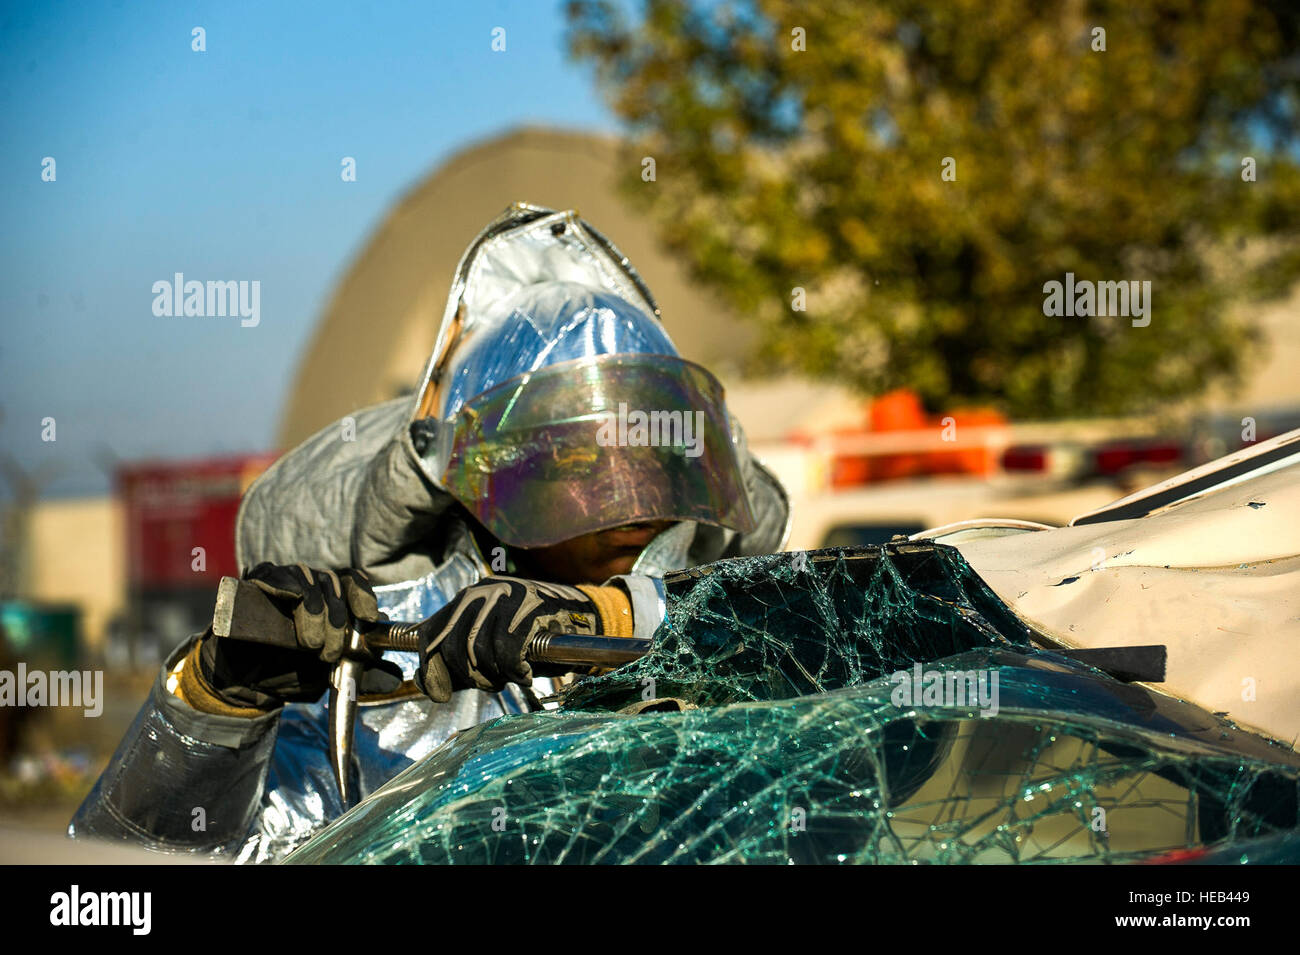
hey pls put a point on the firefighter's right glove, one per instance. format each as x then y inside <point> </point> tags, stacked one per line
<point>324,605</point>
<point>478,640</point>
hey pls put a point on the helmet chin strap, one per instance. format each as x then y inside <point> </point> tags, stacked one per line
<point>667,552</point>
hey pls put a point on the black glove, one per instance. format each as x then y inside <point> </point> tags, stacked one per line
<point>324,604</point>
<point>477,641</point>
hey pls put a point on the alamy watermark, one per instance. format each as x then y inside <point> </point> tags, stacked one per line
<point>957,688</point>
<point>129,909</point>
<point>179,298</point>
<point>653,429</point>
<point>55,688</point>
<point>1085,299</point>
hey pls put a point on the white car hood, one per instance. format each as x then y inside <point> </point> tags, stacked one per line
<point>1214,577</point>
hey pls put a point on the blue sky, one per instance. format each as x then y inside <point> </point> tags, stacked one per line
<point>222,164</point>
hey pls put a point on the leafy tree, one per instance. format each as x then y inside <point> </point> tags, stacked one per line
<point>803,145</point>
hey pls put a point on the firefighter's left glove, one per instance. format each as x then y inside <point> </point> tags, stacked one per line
<point>324,605</point>
<point>479,639</point>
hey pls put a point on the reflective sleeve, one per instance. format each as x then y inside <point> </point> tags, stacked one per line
<point>648,605</point>
<point>181,780</point>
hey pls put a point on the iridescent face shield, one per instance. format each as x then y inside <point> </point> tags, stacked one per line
<point>595,443</point>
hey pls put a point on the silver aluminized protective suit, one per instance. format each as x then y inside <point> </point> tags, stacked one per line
<point>254,789</point>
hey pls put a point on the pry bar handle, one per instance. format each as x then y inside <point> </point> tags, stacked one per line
<point>245,612</point>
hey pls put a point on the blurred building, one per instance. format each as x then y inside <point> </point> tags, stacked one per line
<point>75,553</point>
<point>178,522</point>
<point>384,313</point>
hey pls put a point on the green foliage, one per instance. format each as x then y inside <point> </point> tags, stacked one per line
<point>821,169</point>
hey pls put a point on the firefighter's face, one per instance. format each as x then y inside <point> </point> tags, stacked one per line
<point>591,558</point>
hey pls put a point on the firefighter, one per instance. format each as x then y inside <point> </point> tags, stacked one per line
<point>556,459</point>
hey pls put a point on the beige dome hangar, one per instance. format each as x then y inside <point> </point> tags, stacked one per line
<point>378,329</point>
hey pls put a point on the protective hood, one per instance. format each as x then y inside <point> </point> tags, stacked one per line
<point>599,305</point>
<point>556,404</point>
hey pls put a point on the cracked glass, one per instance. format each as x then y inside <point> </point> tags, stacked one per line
<point>770,724</point>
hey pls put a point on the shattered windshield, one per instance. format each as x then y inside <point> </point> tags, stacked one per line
<point>849,705</point>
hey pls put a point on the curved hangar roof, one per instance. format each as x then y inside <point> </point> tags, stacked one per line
<point>379,327</point>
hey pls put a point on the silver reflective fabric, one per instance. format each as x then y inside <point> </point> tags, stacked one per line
<point>543,325</point>
<point>421,598</point>
<point>669,551</point>
<point>527,246</point>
